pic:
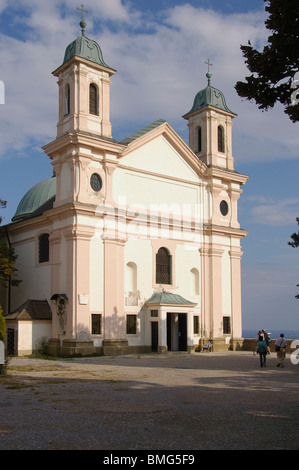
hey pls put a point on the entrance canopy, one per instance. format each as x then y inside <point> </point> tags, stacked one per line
<point>166,298</point>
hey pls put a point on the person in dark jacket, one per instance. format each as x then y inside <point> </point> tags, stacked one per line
<point>262,351</point>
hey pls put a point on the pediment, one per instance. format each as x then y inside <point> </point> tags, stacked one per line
<point>161,150</point>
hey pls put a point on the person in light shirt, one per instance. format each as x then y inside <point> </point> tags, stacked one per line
<point>280,347</point>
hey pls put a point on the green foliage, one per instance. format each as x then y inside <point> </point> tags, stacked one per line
<point>295,238</point>
<point>2,325</point>
<point>273,70</point>
<point>7,269</point>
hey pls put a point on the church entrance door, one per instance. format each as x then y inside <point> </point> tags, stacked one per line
<point>154,327</point>
<point>177,331</point>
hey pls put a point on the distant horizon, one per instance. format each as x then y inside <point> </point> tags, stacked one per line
<point>289,334</point>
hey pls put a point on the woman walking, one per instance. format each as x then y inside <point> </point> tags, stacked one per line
<point>262,351</point>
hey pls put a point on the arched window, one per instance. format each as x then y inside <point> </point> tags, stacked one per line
<point>43,248</point>
<point>67,99</point>
<point>163,267</point>
<point>199,139</point>
<point>93,99</point>
<point>220,139</point>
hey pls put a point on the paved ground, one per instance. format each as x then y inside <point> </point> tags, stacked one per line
<point>150,402</point>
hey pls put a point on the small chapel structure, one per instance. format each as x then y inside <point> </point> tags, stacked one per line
<point>131,246</point>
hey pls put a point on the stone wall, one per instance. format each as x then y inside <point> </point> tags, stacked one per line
<point>249,344</point>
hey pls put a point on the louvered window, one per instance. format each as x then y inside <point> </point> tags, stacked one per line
<point>43,248</point>
<point>67,98</point>
<point>163,267</point>
<point>220,139</point>
<point>199,139</point>
<point>93,99</point>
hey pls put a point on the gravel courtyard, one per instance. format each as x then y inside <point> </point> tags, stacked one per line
<point>203,401</point>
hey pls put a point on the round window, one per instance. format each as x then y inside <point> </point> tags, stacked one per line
<point>224,208</point>
<point>96,182</point>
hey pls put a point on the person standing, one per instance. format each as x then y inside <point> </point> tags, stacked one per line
<point>280,348</point>
<point>262,351</point>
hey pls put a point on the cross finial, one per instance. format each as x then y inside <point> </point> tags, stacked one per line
<point>82,22</point>
<point>209,65</point>
<point>209,75</point>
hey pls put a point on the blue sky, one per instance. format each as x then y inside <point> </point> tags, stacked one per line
<point>159,49</point>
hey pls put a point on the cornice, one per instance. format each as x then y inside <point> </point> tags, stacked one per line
<point>225,174</point>
<point>80,60</point>
<point>209,229</point>
<point>86,140</point>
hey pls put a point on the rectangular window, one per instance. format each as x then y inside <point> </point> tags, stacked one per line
<point>131,324</point>
<point>154,313</point>
<point>196,325</point>
<point>226,325</point>
<point>96,323</point>
<point>43,248</point>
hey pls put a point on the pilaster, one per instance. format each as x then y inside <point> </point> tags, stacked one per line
<point>211,291</point>
<point>114,289</point>
<point>236,304</point>
<point>55,242</point>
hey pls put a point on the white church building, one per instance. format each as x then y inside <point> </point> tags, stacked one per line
<point>131,246</point>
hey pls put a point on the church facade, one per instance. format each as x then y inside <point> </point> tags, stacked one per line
<point>131,246</point>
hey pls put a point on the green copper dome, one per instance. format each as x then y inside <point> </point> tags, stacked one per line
<point>85,48</point>
<point>209,96</point>
<point>38,199</point>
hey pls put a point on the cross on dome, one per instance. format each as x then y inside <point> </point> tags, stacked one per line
<point>209,75</point>
<point>82,22</point>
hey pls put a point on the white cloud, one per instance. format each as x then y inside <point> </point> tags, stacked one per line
<point>275,213</point>
<point>110,10</point>
<point>160,69</point>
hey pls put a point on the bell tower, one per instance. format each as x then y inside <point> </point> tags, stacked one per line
<point>210,138</point>
<point>84,142</point>
<point>84,88</point>
<point>210,127</point>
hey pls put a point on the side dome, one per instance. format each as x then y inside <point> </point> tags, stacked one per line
<point>209,96</point>
<point>87,49</point>
<point>38,199</point>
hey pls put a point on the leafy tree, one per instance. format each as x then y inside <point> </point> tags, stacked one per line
<point>273,70</point>
<point>295,238</point>
<point>7,268</point>
<point>7,261</point>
